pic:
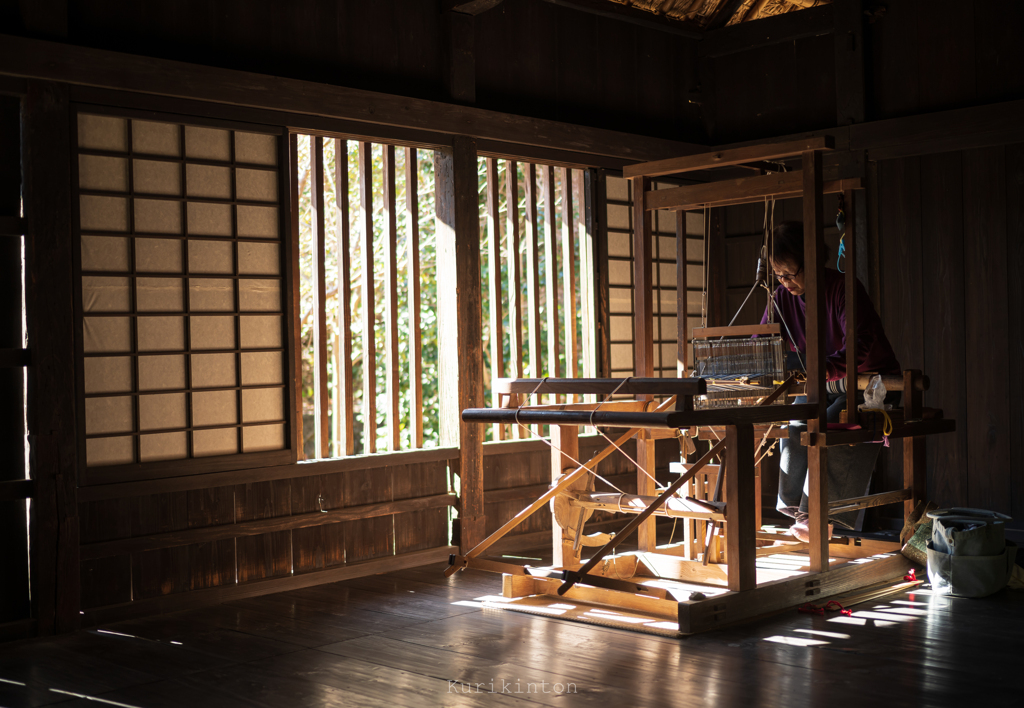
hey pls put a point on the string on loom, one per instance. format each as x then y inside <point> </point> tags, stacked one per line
<point>548,442</point>
<point>600,432</point>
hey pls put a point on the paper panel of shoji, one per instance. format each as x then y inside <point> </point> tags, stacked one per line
<point>182,303</point>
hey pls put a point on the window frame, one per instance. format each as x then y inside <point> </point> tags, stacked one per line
<point>139,471</point>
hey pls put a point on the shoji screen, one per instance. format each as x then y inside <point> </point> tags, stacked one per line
<point>182,291</point>
<point>619,220</point>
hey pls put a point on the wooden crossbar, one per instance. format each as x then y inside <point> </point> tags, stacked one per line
<point>727,158</point>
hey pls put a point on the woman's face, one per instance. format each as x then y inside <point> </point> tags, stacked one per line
<point>790,276</point>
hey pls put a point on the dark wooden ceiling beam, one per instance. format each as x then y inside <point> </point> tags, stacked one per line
<point>770,30</point>
<point>99,68</point>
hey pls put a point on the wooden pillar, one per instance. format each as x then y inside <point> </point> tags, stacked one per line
<point>814,278</point>
<point>391,354</point>
<point>717,283</point>
<point>565,448</point>
<point>46,179</point>
<point>344,441</point>
<point>14,579</point>
<point>740,506</point>
<point>369,316</point>
<point>320,388</point>
<point>914,458</point>
<point>850,266</point>
<point>460,359</point>
<point>682,326</point>
<point>459,58</point>
<point>597,189</point>
<point>294,289</point>
<point>849,51</point>
<point>643,341</point>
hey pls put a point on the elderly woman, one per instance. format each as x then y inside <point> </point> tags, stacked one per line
<point>849,468</point>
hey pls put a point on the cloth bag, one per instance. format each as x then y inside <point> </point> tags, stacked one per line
<point>969,555</point>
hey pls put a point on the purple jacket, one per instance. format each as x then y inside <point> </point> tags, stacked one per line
<point>874,353</point>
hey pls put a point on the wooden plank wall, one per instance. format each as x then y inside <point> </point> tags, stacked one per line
<point>775,90</point>
<point>930,55</point>
<point>581,68</point>
<point>206,554</point>
<point>950,236</point>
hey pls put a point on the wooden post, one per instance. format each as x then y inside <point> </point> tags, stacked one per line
<point>586,240</point>
<point>551,273</point>
<point>344,442</point>
<point>850,242</point>
<point>643,340</point>
<point>814,279</point>
<point>391,358</point>
<point>849,51</point>
<point>565,448</point>
<point>515,283</point>
<point>369,312</point>
<point>49,310</point>
<point>295,273</point>
<point>460,359</point>
<point>494,285</point>
<point>459,59</point>
<point>535,344</point>
<point>682,301</point>
<point>716,268</point>
<point>14,580</point>
<point>740,503</point>
<point>412,219</point>
<point>914,458</point>
<point>569,278</point>
<point>320,395</point>
<point>597,188</point>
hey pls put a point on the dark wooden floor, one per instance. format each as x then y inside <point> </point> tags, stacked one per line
<point>414,638</point>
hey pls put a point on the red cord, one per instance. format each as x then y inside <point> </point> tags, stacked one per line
<point>830,606</point>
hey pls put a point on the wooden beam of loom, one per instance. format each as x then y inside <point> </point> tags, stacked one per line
<point>783,185</point>
<point>727,157</point>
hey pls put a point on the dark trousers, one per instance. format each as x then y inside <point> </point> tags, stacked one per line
<point>848,471</point>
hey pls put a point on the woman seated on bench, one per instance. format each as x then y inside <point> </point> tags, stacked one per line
<point>849,467</point>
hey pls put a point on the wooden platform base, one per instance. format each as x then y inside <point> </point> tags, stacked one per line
<point>687,597</point>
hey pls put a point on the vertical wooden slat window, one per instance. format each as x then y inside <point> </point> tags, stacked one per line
<point>538,309</point>
<point>618,221</point>
<point>181,298</point>
<point>377,313</point>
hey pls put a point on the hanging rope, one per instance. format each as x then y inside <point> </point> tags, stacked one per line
<point>841,225</point>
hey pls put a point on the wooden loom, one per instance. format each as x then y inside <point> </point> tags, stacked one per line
<point>666,589</point>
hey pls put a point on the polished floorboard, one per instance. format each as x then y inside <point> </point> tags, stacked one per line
<point>415,638</point>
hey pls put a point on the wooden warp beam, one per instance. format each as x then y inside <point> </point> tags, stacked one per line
<point>571,577</point>
<point>457,563</point>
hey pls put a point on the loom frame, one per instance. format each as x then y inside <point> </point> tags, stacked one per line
<point>830,571</point>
